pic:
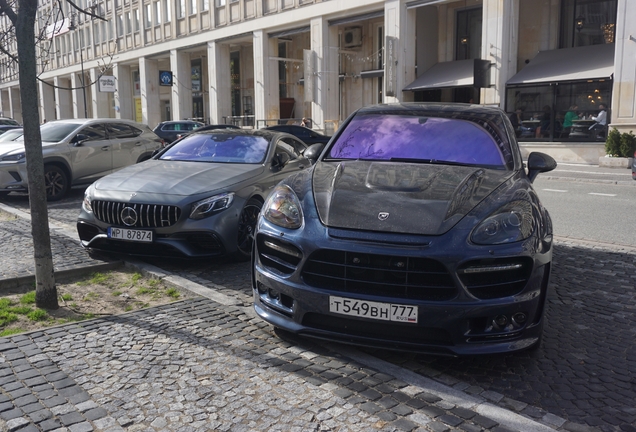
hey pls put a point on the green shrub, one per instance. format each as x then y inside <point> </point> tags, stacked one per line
<point>613,143</point>
<point>628,144</point>
<point>620,144</point>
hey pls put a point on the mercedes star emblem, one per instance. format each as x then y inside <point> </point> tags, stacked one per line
<point>128,216</point>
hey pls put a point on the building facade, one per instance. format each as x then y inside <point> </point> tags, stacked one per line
<point>260,62</point>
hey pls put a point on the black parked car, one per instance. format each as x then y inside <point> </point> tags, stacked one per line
<point>309,136</point>
<point>417,229</point>
<point>170,130</point>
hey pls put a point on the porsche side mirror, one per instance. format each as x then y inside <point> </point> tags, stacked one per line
<point>313,151</point>
<point>539,163</point>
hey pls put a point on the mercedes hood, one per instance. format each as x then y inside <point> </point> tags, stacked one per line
<point>177,177</point>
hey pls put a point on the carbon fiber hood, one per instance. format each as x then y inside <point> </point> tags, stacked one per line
<point>400,197</point>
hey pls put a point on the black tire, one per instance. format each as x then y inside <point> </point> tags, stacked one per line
<point>246,227</point>
<point>56,182</point>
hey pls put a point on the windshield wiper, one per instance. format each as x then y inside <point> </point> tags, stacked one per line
<point>426,161</point>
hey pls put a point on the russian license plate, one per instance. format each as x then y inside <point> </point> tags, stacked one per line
<point>130,234</point>
<point>373,310</point>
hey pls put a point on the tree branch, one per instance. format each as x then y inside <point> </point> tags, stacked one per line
<point>8,11</point>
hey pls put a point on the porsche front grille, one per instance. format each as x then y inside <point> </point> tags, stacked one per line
<point>145,215</point>
<point>379,275</point>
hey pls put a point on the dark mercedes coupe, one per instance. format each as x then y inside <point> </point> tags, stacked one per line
<point>417,229</point>
<point>197,198</point>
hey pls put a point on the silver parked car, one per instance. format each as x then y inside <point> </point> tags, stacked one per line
<point>78,151</point>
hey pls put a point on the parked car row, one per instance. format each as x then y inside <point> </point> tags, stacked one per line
<point>414,227</point>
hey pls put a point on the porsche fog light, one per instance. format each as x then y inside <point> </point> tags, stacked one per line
<point>511,223</point>
<point>209,206</point>
<point>282,208</point>
<point>519,318</point>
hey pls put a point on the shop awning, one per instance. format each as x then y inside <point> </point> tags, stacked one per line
<point>568,64</point>
<point>460,73</point>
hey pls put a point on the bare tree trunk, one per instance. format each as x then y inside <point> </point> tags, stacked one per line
<point>45,291</point>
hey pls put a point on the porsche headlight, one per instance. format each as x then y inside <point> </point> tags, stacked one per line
<point>18,157</point>
<point>209,206</point>
<point>282,208</point>
<point>511,223</point>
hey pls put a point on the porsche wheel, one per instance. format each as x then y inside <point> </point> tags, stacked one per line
<point>56,182</point>
<point>246,227</point>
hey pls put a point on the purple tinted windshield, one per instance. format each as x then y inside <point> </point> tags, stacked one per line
<point>219,147</point>
<point>385,137</point>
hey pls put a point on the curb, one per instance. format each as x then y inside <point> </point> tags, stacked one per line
<point>19,281</point>
<point>584,180</point>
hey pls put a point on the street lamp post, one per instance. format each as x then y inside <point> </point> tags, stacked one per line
<point>72,27</point>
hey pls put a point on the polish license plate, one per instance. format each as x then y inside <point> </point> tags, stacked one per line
<point>373,310</point>
<point>130,234</point>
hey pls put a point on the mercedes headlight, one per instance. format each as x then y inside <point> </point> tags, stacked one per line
<point>88,199</point>
<point>282,208</point>
<point>511,223</point>
<point>209,206</point>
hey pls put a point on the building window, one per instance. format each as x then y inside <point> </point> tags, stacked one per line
<point>206,5</point>
<point>562,112</point>
<point>220,3</point>
<point>193,7</point>
<point>167,5</point>
<point>157,13</point>
<point>468,34</point>
<point>120,25</point>
<point>235,80</point>
<point>587,22</point>
<point>282,70</point>
<point>128,27</point>
<point>181,12</point>
<point>148,20</point>
<point>136,20</point>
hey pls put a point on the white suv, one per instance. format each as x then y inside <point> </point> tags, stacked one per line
<point>78,151</point>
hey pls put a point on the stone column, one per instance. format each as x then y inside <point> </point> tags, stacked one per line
<point>100,100</point>
<point>181,85</point>
<point>4,99</point>
<point>124,95</point>
<point>220,82</point>
<point>500,40</point>
<point>78,96</point>
<point>623,110</point>
<point>324,46</point>
<point>63,98</point>
<point>266,98</point>
<point>149,87</point>
<point>399,50</point>
<point>47,101</point>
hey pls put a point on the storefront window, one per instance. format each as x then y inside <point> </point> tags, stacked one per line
<point>587,22</point>
<point>563,112</point>
<point>468,34</point>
